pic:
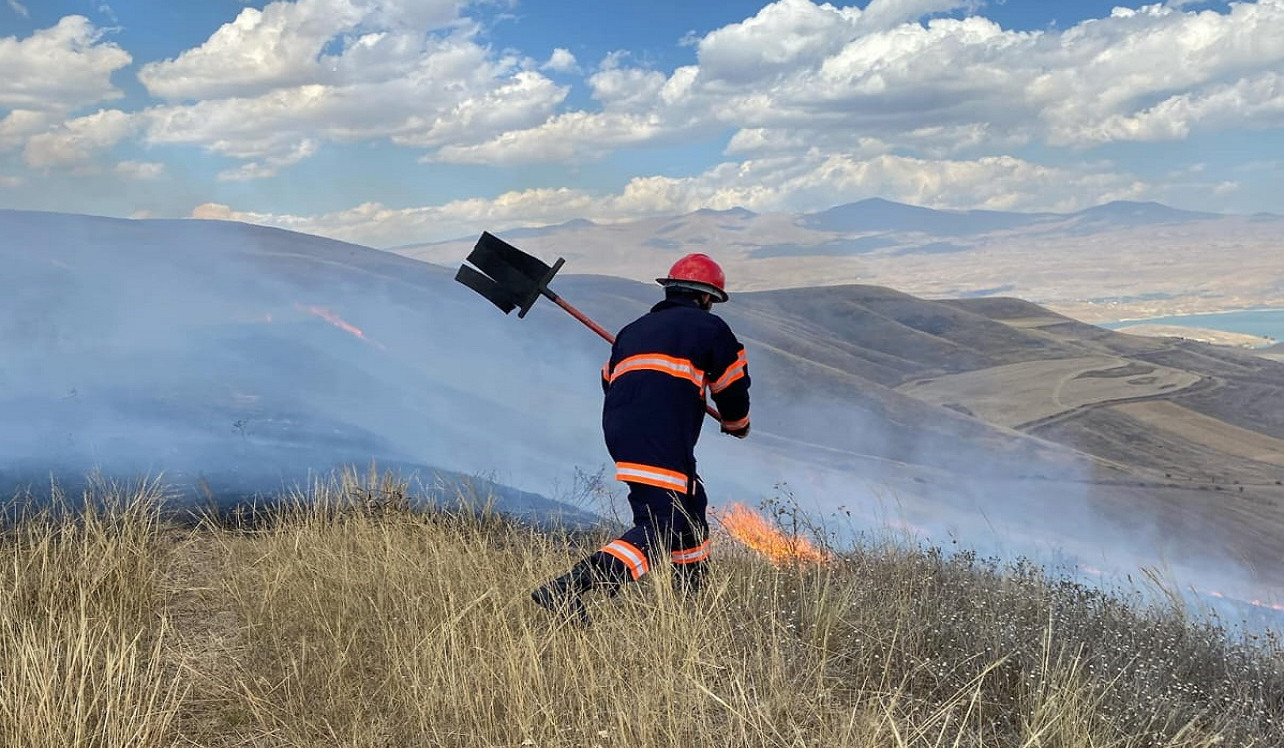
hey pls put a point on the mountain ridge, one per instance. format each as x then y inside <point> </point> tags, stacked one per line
<point>1096,264</point>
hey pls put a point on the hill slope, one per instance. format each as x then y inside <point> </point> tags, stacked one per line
<point>1009,403</point>
<point>242,357</point>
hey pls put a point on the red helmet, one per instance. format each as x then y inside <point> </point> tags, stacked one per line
<point>699,272</point>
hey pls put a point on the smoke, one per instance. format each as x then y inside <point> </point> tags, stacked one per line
<point>243,359</point>
<point>1033,503</point>
<point>246,358</point>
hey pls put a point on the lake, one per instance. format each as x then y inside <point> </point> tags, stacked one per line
<point>1263,322</point>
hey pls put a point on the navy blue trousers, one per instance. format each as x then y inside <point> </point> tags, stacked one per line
<point>665,522</point>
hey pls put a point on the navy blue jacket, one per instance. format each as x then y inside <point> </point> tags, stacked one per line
<point>655,382</point>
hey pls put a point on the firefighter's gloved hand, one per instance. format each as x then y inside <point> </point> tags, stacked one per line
<point>739,433</point>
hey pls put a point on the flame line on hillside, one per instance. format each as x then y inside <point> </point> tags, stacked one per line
<point>337,321</point>
<point>755,532</point>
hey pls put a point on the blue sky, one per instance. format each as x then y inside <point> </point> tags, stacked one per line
<point>391,122</point>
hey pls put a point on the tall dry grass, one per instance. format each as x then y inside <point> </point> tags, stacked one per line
<point>348,618</point>
<point>82,649</point>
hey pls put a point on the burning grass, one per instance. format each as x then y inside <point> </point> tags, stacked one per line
<point>350,619</point>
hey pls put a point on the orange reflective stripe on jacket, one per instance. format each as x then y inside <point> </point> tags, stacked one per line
<point>633,472</point>
<point>736,425</point>
<point>677,367</point>
<point>628,554</point>
<point>733,372</point>
<point>691,555</point>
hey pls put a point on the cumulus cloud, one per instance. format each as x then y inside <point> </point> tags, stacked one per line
<point>762,185</point>
<point>289,43</point>
<point>813,104</point>
<point>377,225</point>
<point>994,182</point>
<point>60,68</point>
<point>21,124</point>
<point>814,73</point>
<point>561,61</point>
<point>273,83</point>
<point>301,150</point>
<point>783,37</point>
<point>77,141</point>
<point>567,137</point>
<point>884,14</point>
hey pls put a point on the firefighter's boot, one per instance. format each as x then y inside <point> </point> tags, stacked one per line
<point>562,596</point>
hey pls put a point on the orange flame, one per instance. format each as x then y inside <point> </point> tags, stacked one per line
<point>337,321</point>
<point>1256,602</point>
<point>753,531</point>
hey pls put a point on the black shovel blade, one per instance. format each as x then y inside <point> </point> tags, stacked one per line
<point>482,284</point>
<point>509,278</point>
<point>496,257</point>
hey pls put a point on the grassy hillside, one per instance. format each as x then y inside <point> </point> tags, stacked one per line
<point>1178,435</point>
<point>357,621</point>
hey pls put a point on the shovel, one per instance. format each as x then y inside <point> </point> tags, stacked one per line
<point>512,279</point>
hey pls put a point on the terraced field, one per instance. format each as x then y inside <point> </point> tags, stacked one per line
<point>1016,395</point>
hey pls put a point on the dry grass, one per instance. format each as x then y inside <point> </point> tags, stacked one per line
<point>83,640</point>
<point>346,618</point>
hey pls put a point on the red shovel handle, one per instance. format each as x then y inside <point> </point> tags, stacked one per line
<point>608,337</point>
<point>582,317</point>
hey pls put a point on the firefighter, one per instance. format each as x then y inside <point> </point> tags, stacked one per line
<point>655,381</point>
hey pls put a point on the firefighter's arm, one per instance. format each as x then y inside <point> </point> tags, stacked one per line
<point>734,411</point>
<point>730,389</point>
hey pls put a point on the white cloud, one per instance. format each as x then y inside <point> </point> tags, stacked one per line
<point>561,61</point>
<point>140,170</point>
<point>835,78</point>
<point>260,50</point>
<point>760,142</point>
<point>304,149</point>
<point>783,37</point>
<point>497,104</point>
<point>60,68</point>
<point>19,8</point>
<point>214,212</point>
<point>1123,65</point>
<point>1256,102</point>
<point>77,141</point>
<point>884,14</point>
<point>21,124</point>
<point>342,70</point>
<point>931,141</point>
<point>288,44</point>
<point>627,89</point>
<point>999,183</point>
<point>106,10</point>
<point>566,137</point>
<point>763,185</point>
<point>817,104</point>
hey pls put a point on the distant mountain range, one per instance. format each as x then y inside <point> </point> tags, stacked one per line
<point>877,214</point>
<point>1121,260</point>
